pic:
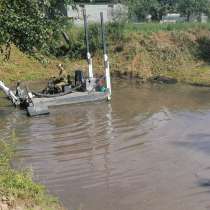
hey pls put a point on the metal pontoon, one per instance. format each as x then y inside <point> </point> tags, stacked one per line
<point>38,104</point>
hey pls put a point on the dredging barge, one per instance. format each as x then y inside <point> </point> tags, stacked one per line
<point>83,90</point>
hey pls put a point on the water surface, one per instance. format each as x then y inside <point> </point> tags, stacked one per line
<point>147,149</point>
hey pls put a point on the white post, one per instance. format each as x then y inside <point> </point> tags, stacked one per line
<point>89,59</point>
<point>90,65</point>
<point>108,77</point>
<point>106,59</point>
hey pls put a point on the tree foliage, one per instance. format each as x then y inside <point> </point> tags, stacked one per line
<point>193,7</point>
<point>141,8</point>
<point>158,8</point>
<point>32,25</point>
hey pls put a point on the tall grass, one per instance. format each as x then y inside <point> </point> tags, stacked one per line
<point>118,32</point>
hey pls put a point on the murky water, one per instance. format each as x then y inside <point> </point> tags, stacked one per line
<point>148,149</point>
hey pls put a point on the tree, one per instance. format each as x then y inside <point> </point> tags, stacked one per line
<point>156,8</point>
<point>202,6</point>
<point>167,6</point>
<point>141,8</point>
<point>193,7</point>
<point>32,25</point>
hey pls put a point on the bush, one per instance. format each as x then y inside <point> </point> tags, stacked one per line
<point>204,48</point>
<point>115,31</point>
<point>76,46</point>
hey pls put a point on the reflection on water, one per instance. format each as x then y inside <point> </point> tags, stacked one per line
<point>148,149</point>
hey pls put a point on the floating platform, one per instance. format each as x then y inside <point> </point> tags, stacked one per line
<point>40,105</point>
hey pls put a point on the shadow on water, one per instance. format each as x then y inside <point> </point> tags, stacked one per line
<point>204,183</point>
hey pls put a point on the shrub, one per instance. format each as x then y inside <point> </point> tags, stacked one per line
<point>204,48</point>
<point>115,31</point>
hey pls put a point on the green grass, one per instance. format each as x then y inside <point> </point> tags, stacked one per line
<point>19,186</point>
<point>154,27</point>
<point>148,27</point>
<point>199,76</point>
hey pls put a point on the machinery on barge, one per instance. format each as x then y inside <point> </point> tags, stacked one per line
<point>81,90</point>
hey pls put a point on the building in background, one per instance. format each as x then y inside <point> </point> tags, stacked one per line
<point>176,17</point>
<point>204,18</point>
<point>172,18</point>
<point>112,12</point>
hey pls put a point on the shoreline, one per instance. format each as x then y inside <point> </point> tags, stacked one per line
<point>17,189</point>
<point>165,57</point>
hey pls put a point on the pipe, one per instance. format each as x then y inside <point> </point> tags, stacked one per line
<point>9,94</point>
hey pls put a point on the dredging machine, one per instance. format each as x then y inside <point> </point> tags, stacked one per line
<point>82,90</point>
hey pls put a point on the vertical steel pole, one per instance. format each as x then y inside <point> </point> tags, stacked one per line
<point>89,59</point>
<point>106,58</point>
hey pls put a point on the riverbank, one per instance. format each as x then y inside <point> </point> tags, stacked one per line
<point>177,54</point>
<point>17,190</point>
<point>181,53</point>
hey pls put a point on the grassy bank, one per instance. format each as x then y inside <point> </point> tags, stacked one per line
<point>143,51</point>
<point>180,51</point>
<point>24,67</point>
<point>17,190</point>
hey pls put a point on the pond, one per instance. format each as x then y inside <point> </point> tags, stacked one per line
<point>147,149</point>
